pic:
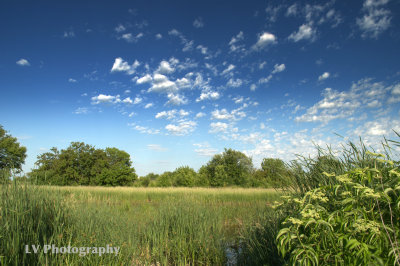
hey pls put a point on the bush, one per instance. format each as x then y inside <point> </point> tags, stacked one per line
<point>353,220</point>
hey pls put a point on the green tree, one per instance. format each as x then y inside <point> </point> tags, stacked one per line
<point>165,180</point>
<point>12,154</point>
<point>82,164</point>
<point>184,176</point>
<point>229,168</point>
<point>275,171</point>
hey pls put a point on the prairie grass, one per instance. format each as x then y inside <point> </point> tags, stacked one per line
<point>166,226</point>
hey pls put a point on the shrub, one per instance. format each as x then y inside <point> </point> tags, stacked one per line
<point>353,220</point>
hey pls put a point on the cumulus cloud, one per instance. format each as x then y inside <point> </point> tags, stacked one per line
<point>165,68</point>
<point>102,98</point>
<point>181,128</point>
<point>345,104</point>
<point>147,106</point>
<point>264,39</point>
<point>375,20</point>
<point>305,32</point>
<point>81,110</point>
<point>162,84</point>
<point>208,95</point>
<point>23,62</point>
<point>72,80</point>
<point>176,99</point>
<point>129,37</point>
<point>172,114</point>
<point>324,76</point>
<point>122,66</point>
<point>145,79</point>
<point>278,68</point>
<point>187,45</point>
<point>218,127</point>
<point>204,149</point>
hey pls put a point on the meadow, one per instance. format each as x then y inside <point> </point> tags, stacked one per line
<point>152,226</point>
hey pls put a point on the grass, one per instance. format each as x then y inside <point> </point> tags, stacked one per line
<point>167,226</point>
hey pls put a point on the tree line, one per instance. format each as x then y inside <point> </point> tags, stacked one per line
<point>83,164</point>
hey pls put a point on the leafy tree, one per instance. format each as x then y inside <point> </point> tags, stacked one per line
<point>166,179</point>
<point>229,168</point>
<point>201,178</point>
<point>12,155</point>
<point>275,171</point>
<point>184,176</point>
<point>82,164</point>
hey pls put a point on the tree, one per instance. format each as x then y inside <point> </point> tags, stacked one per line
<point>184,176</point>
<point>275,171</point>
<point>12,155</point>
<point>229,168</point>
<point>82,164</point>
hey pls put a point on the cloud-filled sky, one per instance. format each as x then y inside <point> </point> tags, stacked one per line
<point>175,82</point>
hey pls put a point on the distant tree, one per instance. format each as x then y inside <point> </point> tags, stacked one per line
<point>229,168</point>
<point>202,178</point>
<point>165,179</point>
<point>82,164</point>
<point>148,180</point>
<point>184,176</point>
<point>275,171</point>
<point>12,155</point>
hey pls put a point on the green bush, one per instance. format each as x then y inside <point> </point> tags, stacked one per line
<point>353,220</point>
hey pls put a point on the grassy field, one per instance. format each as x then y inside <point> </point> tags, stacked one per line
<point>152,226</point>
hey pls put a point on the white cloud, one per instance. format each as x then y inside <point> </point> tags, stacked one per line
<point>158,36</point>
<point>233,44</point>
<point>176,99</point>
<point>292,10</point>
<point>198,23</point>
<point>253,87</point>
<point>223,114</point>
<point>278,68</point>
<point>305,32</point>
<point>182,128</point>
<point>228,69</point>
<point>324,76</point>
<point>204,149</point>
<point>162,84</point>
<point>207,94</point>
<point>145,79</point>
<point>120,28</point>
<point>165,68</point>
<point>346,104</point>
<point>130,38</point>
<point>218,127</point>
<point>144,130</point>
<point>202,49</point>
<point>147,106</point>
<point>264,39</point>
<point>187,45</point>
<point>200,115</point>
<point>156,147</point>
<point>122,66</point>
<point>102,98</point>
<point>375,20</point>
<point>23,62</point>
<point>234,83</point>
<point>72,80</point>
<point>128,100</point>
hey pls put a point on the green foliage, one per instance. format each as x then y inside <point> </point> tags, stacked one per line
<point>275,172</point>
<point>184,176</point>
<point>352,220</point>
<point>165,180</point>
<point>82,164</point>
<point>231,168</point>
<point>12,155</point>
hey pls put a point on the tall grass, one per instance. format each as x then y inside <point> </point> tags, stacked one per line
<point>172,226</point>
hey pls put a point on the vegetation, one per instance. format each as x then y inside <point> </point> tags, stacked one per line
<point>12,155</point>
<point>169,226</point>
<point>82,164</point>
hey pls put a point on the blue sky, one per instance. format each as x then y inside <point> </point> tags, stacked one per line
<point>175,82</point>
